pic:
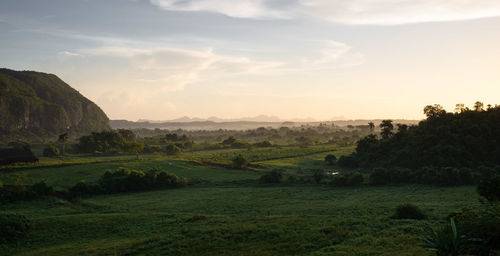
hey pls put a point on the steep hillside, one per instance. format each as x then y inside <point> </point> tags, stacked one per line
<point>36,105</point>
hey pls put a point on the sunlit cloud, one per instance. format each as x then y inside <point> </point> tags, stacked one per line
<point>63,55</point>
<point>173,68</point>
<point>378,12</point>
<point>333,54</point>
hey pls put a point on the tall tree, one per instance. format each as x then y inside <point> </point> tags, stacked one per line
<point>63,138</point>
<point>478,106</point>
<point>387,128</point>
<point>371,125</point>
<point>433,111</point>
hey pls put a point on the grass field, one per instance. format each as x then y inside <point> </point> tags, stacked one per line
<point>227,212</point>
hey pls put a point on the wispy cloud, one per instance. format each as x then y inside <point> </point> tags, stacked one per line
<point>174,68</point>
<point>378,12</point>
<point>67,54</point>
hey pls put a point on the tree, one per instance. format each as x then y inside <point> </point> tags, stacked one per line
<point>433,111</point>
<point>229,141</point>
<point>101,142</point>
<point>240,162</point>
<point>330,159</point>
<point>489,187</point>
<point>387,128</point>
<point>63,138</point>
<point>371,125</point>
<point>478,106</point>
<point>172,149</point>
<point>127,134</point>
<point>50,151</point>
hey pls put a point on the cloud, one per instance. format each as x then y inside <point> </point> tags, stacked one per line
<point>335,54</point>
<point>67,55</point>
<point>171,69</point>
<point>239,8</point>
<point>376,12</point>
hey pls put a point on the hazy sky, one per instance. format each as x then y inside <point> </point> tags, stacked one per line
<point>162,59</point>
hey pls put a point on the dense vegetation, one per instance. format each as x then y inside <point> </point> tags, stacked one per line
<point>39,106</point>
<point>468,138</point>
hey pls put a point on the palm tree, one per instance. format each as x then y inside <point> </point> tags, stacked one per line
<point>63,138</point>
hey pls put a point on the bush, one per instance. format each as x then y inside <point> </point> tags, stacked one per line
<point>263,144</point>
<point>240,162</point>
<point>14,227</point>
<point>318,176</point>
<point>148,149</point>
<point>25,193</point>
<point>172,149</point>
<point>408,211</point>
<point>489,187</point>
<point>330,159</point>
<point>482,225</point>
<point>82,189</point>
<point>347,162</point>
<point>51,151</point>
<point>445,240</point>
<point>42,189</point>
<point>125,180</point>
<point>354,179</point>
<point>348,180</point>
<point>380,176</point>
<point>273,176</point>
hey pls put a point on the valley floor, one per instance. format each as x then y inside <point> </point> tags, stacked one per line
<point>227,212</point>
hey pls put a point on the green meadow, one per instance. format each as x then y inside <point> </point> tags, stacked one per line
<point>225,211</point>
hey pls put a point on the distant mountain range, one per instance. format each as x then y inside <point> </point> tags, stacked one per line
<point>38,106</point>
<point>259,118</point>
<point>187,123</point>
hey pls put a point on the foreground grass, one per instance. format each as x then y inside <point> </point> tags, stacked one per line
<point>227,212</point>
<point>238,220</point>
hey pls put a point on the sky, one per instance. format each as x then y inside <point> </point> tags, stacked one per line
<point>321,59</point>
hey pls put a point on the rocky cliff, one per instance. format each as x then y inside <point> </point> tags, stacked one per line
<point>36,105</point>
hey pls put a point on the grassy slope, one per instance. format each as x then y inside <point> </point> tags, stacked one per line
<point>228,213</point>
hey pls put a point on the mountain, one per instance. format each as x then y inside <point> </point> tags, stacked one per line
<point>259,118</point>
<point>36,105</point>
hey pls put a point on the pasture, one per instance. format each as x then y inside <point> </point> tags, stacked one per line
<point>225,211</point>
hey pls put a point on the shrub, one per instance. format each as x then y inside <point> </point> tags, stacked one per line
<point>273,176</point>
<point>125,180</point>
<point>42,189</point>
<point>408,211</point>
<point>25,193</point>
<point>445,241</point>
<point>14,227</point>
<point>318,176</point>
<point>348,180</point>
<point>489,187</point>
<point>401,175</point>
<point>330,159</point>
<point>148,149</point>
<point>51,151</point>
<point>380,176</point>
<point>482,225</point>
<point>172,149</point>
<point>354,179</point>
<point>82,189</point>
<point>347,162</point>
<point>263,144</point>
<point>240,162</point>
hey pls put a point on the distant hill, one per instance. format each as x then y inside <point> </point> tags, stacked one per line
<point>36,105</point>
